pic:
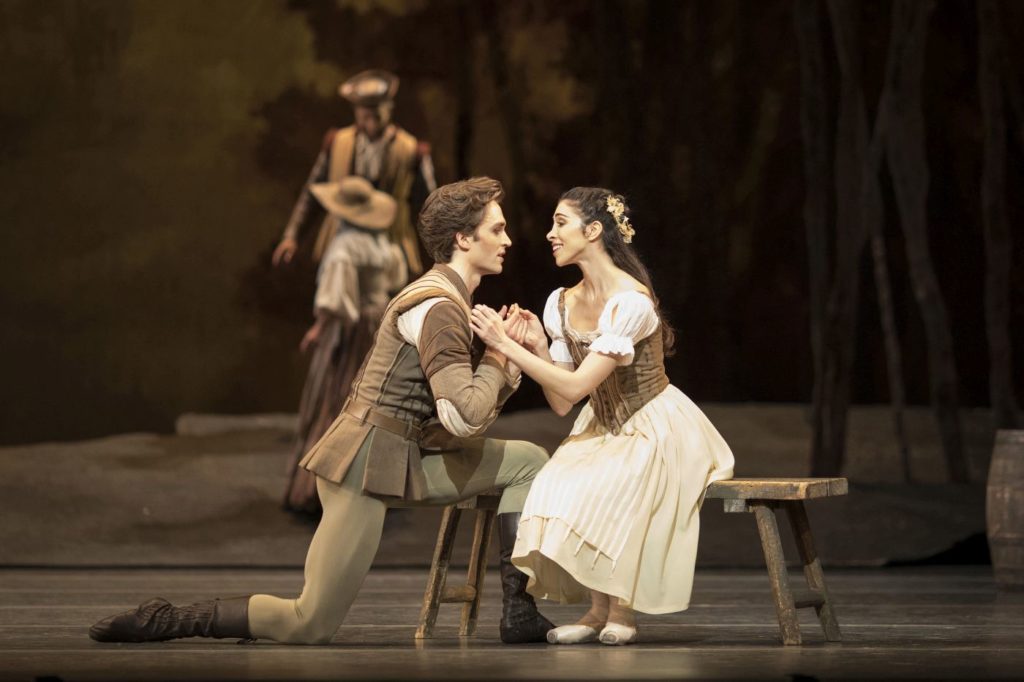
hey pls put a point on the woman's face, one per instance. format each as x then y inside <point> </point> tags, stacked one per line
<point>566,234</point>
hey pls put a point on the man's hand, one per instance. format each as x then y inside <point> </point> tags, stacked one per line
<point>489,325</point>
<point>284,251</point>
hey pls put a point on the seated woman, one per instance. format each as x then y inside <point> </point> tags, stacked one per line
<point>616,511</point>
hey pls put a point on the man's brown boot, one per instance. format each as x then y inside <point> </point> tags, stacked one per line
<point>521,623</point>
<point>158,620</point>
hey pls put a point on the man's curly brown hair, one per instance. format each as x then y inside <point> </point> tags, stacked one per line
<point>456,207</point>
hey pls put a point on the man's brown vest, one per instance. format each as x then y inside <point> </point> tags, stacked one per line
<point>389,404</point>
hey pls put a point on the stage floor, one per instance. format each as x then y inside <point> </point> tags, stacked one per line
<point>933,623</point>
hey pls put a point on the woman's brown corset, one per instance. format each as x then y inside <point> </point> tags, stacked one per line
<point>628,388</point>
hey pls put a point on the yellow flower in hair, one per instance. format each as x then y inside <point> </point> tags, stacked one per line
<point>618,209</point>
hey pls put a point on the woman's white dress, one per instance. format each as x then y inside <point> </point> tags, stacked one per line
<point>617,507</point>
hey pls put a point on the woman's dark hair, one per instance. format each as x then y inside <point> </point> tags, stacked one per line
<point>455,207</point>
<point>592,204</point>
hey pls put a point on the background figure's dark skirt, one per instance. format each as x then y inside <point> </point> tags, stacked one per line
<point>335,362</point>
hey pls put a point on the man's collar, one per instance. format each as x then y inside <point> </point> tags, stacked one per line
<point>456,280</point>
<point>385,138</point>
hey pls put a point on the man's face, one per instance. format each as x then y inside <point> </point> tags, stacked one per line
<point>369,121</point>
<point>487,246</point>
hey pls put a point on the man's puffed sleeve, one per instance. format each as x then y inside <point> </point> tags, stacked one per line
<point>467,400</point>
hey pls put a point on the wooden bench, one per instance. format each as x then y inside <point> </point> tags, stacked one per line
<point>761,496</point>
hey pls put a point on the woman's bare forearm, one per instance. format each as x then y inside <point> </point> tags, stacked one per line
<point>558,403</point>
<point>569,385</point>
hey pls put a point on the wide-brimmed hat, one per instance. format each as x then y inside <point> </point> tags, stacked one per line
<point>356,201</point>
<point>370,88</point>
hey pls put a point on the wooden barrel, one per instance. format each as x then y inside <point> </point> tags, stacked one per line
<point>1004,510</point>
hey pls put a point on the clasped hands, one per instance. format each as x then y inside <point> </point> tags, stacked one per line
<point>511,324</point>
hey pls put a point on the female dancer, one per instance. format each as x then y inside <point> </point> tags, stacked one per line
<point>616,510</point>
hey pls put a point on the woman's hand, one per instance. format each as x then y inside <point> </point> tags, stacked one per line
<point>490,327</point>
<point>532,335</point>
<point>515,327</point>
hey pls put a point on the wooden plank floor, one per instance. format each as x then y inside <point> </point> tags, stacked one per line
<point>930,624</point>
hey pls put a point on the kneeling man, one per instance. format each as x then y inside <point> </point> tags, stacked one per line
<point>407,432</point>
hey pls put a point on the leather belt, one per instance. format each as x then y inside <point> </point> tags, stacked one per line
<point>368,415</point>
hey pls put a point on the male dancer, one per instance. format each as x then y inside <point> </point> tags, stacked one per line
<point>387,444</point>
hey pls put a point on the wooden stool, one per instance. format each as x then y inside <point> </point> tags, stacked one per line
<point>762,496</point>
<point>468,595</point>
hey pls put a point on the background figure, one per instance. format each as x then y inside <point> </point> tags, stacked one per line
<point>359,269</point>
<point>373,148</point>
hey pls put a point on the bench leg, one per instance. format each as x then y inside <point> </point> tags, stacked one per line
<point>775,560</point>
<point>476,571</point>
<point>438,572</point>
<point>812,569</point>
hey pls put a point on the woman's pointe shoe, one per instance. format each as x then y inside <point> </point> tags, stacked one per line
<point>572,634</point>
<point>614,633</point>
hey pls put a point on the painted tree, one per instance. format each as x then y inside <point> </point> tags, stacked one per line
<point>860,216</point>
<point>908,168</point>
<point>995,220</point>
<point>873,214</point>
<point>817,153</point>
<point>838,341</point>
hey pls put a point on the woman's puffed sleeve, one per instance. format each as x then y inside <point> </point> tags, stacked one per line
<point>553,326</point>
<point>627,319</point>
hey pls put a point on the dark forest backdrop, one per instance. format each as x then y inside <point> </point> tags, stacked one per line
<point>150,153</point>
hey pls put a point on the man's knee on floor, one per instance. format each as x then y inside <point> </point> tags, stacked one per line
<point>312,632</point>
<point>309,624</point>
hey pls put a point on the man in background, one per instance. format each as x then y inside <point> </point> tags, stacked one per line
<point>374,148</point>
